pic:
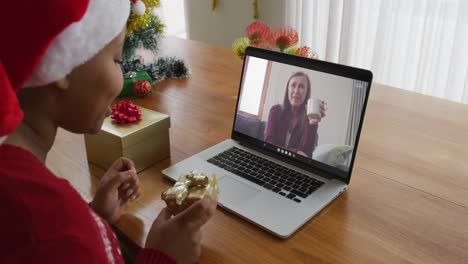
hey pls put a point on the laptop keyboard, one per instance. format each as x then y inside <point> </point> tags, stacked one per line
<point>279,179</point>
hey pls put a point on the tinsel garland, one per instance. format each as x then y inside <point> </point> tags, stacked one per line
<point>147,38</point>
<point>164,67</point>
<point>151,3</point>
<point>136,22</point>
<point>145,31</point>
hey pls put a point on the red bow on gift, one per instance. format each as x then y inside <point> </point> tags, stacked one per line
<point>125,112</point>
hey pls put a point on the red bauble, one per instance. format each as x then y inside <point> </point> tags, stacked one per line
<point>142,88</point>
<point>125,112</point>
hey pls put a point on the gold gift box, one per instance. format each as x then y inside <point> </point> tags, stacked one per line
<point>146,142</point>
<point>188,189</point>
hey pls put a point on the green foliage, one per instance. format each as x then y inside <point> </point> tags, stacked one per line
<point>165,67</point>
<point>147,38</point>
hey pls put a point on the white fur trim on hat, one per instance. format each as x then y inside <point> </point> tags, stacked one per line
<point>102,22</point>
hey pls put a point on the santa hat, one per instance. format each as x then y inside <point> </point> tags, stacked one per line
<point>43,41</point>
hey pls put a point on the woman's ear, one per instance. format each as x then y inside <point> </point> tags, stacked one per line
<point>63,83</point>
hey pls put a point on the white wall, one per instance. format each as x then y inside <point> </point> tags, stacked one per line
<point>334,90</point>
<point>229,20</point>
<point>173,16</point>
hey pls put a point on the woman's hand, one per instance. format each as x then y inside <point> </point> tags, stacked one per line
<point>317,119</point>
<point>119,184</point>
<point>180,236</point>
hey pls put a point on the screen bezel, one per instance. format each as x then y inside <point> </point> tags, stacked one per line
<point>311,64</point>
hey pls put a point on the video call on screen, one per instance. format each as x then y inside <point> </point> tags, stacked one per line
<point>309,114</point>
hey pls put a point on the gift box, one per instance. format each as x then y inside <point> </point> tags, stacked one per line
<point>188,189</point>
<point>146,141</point>
<point>129,81</point>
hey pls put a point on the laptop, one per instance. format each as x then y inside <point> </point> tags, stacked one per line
<point>294,138</point>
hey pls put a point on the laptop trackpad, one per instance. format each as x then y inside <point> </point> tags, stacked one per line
<point>233,191</point>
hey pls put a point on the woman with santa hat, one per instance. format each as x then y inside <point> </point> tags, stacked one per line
<point>60,67</point>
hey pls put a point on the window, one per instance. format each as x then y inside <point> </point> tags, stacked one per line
<point>256,76</point>
<point>172,14</point>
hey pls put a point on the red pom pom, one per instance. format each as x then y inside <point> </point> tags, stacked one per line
<point>125,112</point>
<point>142,88</point>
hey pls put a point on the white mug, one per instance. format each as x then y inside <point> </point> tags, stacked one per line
<point>313,108</point>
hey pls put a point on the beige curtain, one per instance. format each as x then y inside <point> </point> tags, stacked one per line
<point>417,45</point>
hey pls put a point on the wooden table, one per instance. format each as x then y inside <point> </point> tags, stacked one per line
<point>408,198</point>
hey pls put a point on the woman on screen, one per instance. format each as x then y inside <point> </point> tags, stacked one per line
<point>288,124</point>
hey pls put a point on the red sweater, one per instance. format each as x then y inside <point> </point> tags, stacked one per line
<point>44,220</point>
<point>275,133</point>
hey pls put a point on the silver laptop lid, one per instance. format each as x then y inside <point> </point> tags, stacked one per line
<point>303,111</point>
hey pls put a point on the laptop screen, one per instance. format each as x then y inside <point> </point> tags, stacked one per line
<point>302,114</point>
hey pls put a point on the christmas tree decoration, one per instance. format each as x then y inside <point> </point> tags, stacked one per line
<point>283,39</point>
<point>177,68</point>
<point>142,88</point>
<point>166,67</point>
<point>144,32</point>
<point>147,38</point>
<point>138,20</point>
<point>125,112</point>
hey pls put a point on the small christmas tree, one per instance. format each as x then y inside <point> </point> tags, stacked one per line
<point>144,32</point>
